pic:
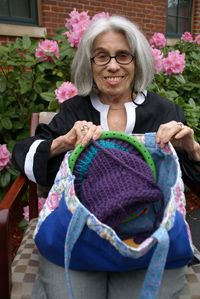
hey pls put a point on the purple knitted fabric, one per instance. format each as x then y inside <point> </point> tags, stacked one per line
<point>113,181</point>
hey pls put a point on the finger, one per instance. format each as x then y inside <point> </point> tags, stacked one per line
<point>93,132</point>
<point>98,132</point>
<point>167,131</point>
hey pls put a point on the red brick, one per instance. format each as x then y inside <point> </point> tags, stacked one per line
<point>46,7</point>
<point>56,9</point>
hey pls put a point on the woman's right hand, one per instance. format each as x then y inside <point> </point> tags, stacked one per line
<point>82,131</point>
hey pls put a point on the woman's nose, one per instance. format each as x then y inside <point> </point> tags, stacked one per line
<point>113,65</point>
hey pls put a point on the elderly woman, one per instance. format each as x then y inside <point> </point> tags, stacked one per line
<point>111,69</point>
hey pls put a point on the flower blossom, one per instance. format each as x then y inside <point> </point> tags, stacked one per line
<point>187,37</point>
<point>101,15</point>
<point>158,58</point>
<point>75,18</point>
<point>41,201</point>
<point>197,39</point>
<point>66,91</point>
<point>5,157</point>
<point>158,40</point>
<point>77,25</point>
<point>174,63</point>
<point>47,46</point>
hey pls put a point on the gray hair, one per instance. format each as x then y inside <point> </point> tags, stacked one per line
<point>144,63</point>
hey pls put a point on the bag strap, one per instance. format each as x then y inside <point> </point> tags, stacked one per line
<point>74,230</point>
<point>157,265</point>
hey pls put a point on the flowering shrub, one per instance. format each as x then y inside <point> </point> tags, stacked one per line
<point>177,76</point>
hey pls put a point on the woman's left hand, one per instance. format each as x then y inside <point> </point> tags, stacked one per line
<point>180,136</point>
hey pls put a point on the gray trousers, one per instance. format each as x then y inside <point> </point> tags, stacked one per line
<point>51,283</point>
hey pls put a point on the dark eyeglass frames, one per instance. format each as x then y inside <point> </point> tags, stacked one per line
<point>121,58</point>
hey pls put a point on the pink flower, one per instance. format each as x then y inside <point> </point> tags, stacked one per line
<point>26,213</point>
<point>66,91</point>
<point>47,46</point>
<point>158,40</point>
<point>75,36</point>
<point>77,25</point>
<point>41,202</point>
<point>174,63</point>
<point>101,15</point>
<point>157,55</point>
<point>187,37</point>
<point>197,39</point>
<point>75,18</point>
<point>52,201</point>
<point>5,157</point>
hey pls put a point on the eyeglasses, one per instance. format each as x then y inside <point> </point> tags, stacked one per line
<point>121,58</point>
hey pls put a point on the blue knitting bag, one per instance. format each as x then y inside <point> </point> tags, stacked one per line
<point>70,235</point>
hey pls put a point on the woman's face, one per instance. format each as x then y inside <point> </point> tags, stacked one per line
<point>113,80</point>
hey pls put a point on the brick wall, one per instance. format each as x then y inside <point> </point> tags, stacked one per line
<point>149,15</point>
<point>196,19</point>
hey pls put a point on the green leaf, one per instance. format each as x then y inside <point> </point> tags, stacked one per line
<point>23,224</point>
<point>26,42</point>
<point>53,105</point>
<point>192,102</point>
<point>3,49</point>
<point>13,171</point>
<point>171,94</point>
<point>5,179</point>
<point>18,41</point>
<point>10,85</point>
<point>180,78</point>
<point>48,96</point>
<point>61,30</point>
<point>6,123</point>
<point>26,76</point>
<point>33,95</point>
<point>28,57</point>
<point>38,88</point>
<point>3,84</point>
<point>17,125</point>
<point>25,87</point>
<point>42,66</point>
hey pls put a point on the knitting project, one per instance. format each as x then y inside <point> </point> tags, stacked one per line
<point>113,181</point>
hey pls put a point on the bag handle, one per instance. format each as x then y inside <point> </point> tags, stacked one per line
<point>157,265</point>
<point>74,230</point>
